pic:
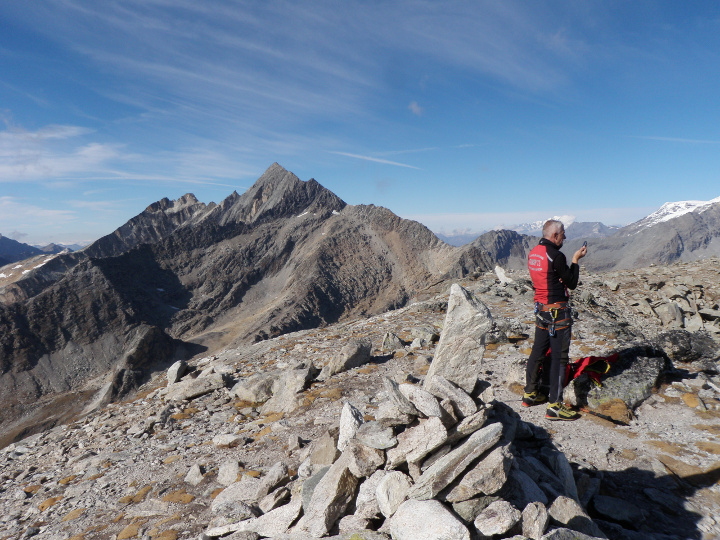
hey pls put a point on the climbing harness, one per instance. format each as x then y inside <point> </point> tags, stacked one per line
<point>553,317</point>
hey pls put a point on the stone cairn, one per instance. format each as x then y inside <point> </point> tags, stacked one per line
<point>441,461</point>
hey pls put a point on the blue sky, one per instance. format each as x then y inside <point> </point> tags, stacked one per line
<point>461,115</point>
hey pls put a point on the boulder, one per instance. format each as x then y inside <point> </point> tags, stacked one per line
<point>375,435</point>
<point>535,520</point>
<point>350,420</point>
<point>330,499</point>
<point>176,371</point>
<point>286,389</point>
<point>426,520</point>
<point>498,518</point>
<point>255,389</point>
<point>486,478</point>
<point>392,491</point>
<point>459,353</point>
<point>423,400</point>
<point>194,388</point>
<point>352,355</point>
<point>569,513</point>
<point>630,380</point>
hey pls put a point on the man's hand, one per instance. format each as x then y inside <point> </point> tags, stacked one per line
<point>579,254</point>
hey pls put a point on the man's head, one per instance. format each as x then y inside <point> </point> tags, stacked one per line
<point>554,231</point>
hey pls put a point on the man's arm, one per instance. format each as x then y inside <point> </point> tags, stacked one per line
<point>569,275</point>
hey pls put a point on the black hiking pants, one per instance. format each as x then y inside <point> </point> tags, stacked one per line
<point>559,346</point>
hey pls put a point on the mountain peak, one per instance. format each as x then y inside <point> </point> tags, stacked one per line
<point>671,210</point>
<point>277,193</point>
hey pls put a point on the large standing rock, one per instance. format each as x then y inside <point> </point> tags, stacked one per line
<point>459,353</point>
<point>176,371</point>
<point>350,420</point>
<point>330,499</point>
<point>426,520</point>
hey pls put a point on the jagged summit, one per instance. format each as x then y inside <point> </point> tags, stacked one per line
<point>278,193</point>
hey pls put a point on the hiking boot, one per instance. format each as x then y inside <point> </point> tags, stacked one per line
<point>533,398</point>
<point>558,411</point>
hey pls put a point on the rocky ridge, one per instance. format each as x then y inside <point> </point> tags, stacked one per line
<point>257,441</point>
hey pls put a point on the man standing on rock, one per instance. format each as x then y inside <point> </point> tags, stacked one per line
<point>551,277</point>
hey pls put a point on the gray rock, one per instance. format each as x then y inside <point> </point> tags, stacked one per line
<point>176,371</point>
<point>309,485</point>
<point>389,414</point>
<point>418,441</point>
<point>423,401</point>
<point>286,389</point>
<point>559,464</point>
<point>444,389</point>
<point>366,501</point>
<point>228,472</point>
<point>244,490</point>
<point>275,477</point>
<point>375,435</point>
<point>470,509</point>
<point>194,475</point>
<point>194,388</point>
<point>363,460</point>
<point>397,398</point>
<point>426,520</point>
<point>228,440</point>
<point>255,389</point>
<point>275,522</point>
<point>352,355</point>
<point>498,518</point>
<point>324,449</point>
<point>350,420</point>
<point>670,315</point>
<point>486,478</point>
<point>392,491</point>
<point>234,511</point>
<point>568,534</point>
<point>330,499</point>
<point>459,353</point>
<point>629,381</point>
<point>535,520</point>
<point>273,500</point>
<point>449,467</point>
<point>391,343</point>
<point>521,490</point>
<point>468,425</point>
<point>569,513</point>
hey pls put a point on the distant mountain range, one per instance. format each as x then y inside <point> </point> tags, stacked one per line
<point>183,277</point>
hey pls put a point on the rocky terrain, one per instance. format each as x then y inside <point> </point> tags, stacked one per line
<point>362,430</point>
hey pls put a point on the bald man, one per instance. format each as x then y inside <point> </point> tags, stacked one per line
<point>551,277</point>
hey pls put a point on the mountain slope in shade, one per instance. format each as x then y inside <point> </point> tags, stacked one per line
<point>12,250</point>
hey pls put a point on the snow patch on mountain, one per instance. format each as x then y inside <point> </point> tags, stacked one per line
<point>671,210</point>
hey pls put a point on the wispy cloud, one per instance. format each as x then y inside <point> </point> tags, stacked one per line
<point>677,140</point>
<point>416,109</point>
<point>14,213</point>
<point>376,160</point>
